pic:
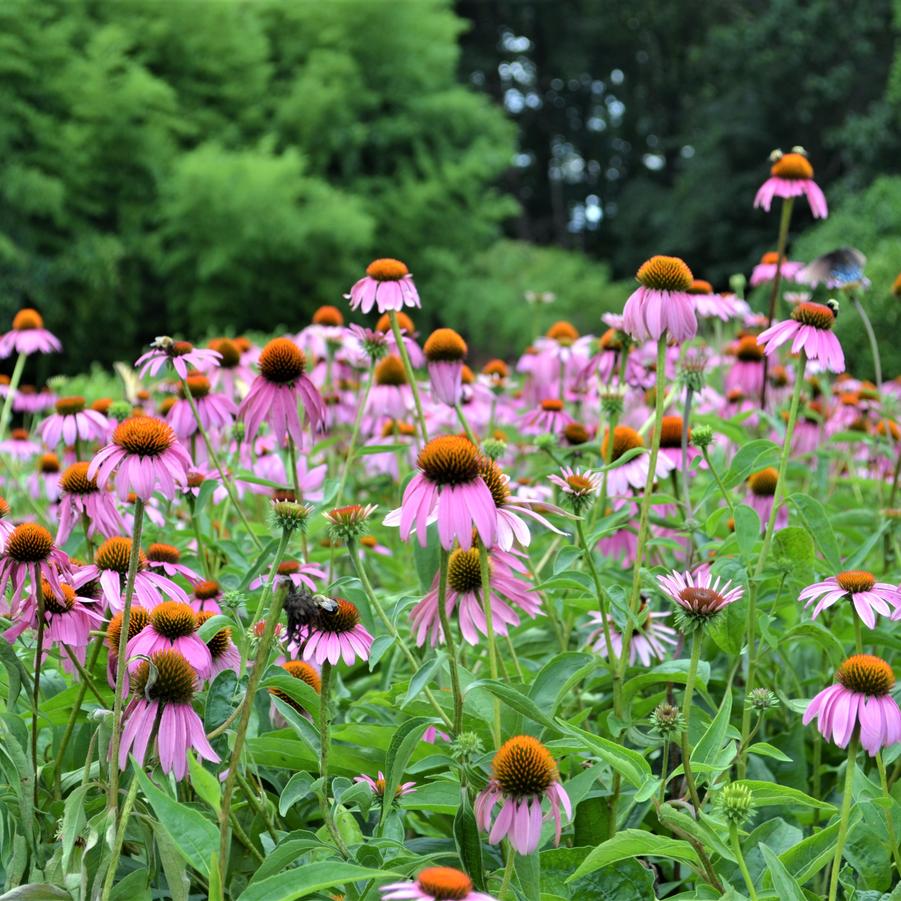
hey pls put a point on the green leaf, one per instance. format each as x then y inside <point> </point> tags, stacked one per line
<point>628,843</point>
<point>426,558</point>
<point>216,624</point>
<point>204,782</point>
<point>763,749</point>
<point>195,837</point>
<point>706,754</point>
<point>557,678</point>
<point>815,518</point>
<point>469,843</point>
<point>628,763</point>
<point>516,700</point>
<point>784,883</point>
<point>74,819</point>
<point>805,859</point>
<point>207,488</point>
<point>306,731</point>
<point>675,671</point>
<point>297,789</point>
<point>286,853</point>
<point>296,689</point>
<point>133,887</point>
<point>310,879</point>
<point>257,565</point>
<point>750,458</point>
<point>528,871</point>
<point>794,545</point>
<point>701,829</point>
<point>423,676</point>
<point>17,675</point>
<point>626,880</point>
<point>403,742</point>
<point>36,891</point>
<point>770,794</point>
<point>728,628</point>
<point>174,869</point>
<point>747,530</point>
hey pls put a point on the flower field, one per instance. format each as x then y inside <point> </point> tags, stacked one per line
<point>363,613</point>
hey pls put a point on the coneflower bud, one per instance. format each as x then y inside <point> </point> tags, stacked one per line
<point>736,803</point>
<point>348,523</point>
<point>289,516</point>
<point>701,436</point>
<point>232,600</point>
<point>494,448</point>
<point>761,699</point>
<point>738,283</point>
<point>119,410</point>
<point>612,404</point>
<point>667,720</point>
<point>238,430</point>
<point>546,441</point>
<point>466,746</point>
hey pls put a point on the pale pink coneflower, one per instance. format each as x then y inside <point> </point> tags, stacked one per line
<point>649,640</point>
<point>377,785</point>
<point>387,285</point>
<point>82,501</point>
<point>161,709</point>
<point>858,586</point>
<point>110,568</point>
<point>861,697</point>
<point>28,336</point>
<point>179,354</point>
<point>20,445</point>
<point>172,627</point>
<point>765,270</point>
<point>435,884</point>
<point>167,559</point>
<point>408,334</point>
<point>662,302</point>
<point>523,774</point>
<point>762,485</point>
<point>28,555</point>
<point>276,391</point>
<point>698,595</point>
<point>335,636</point>
<point>511,592</point>
<point>145,456</point>
<point>810,330</point>
<point>548,418</point>
<point>634,472</point>
<point>206,597</point>
<point>223,653</point>
<point>292,572</point>
<point>390,395</point>
<point>72,422</point>
<point>791,175</point>
<point>671,442</point>
<point>216,411</point>
<point>449,481</point>
<point>445,352</point>
<point>746,373</point>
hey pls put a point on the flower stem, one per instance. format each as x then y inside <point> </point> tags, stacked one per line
<point>466,426</point>
<point>603,606</point>
<point>754,587</point>
<point>485,569</point>
<point>121,662</point>
<point>449,641</point>
<point>38,589</point>
<point>871,335</point>
<point>360,570</point>
<point>325,742</point>
<point>119,840</point>
<point>890,820</point>
<point>354,435</point>
<point>686,495</point>
<point>784,221</point>
<point>408,369</point>
<point>11,393</point>
<point>664,769</point>
<point>298,496</point>
<point>686,714</point>
<point>644,518</point>
<point>719,481</point>
<point>843,819</point>
<point>736,847</point>
<point>256,674</point>
<point>223,475</point>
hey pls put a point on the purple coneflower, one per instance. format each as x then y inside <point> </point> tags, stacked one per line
<point>698,595</point>
<point>145,456</point>
<point>445,352</point>
<point>810,330</point>
<point>172,626</point>
<point>180,354</point>
<point>763,492</point>
<point>577,483</point>
<point>387,285</point>
<point>207,594</point>
<point>662,303</point>
<point>861,697</point>
<point>298,574</point>
<point>30,554</point>
<point>167,559</point>
<point>28,336</point>
<point>671,441</point>
<point>791,175</point>
<point>72,422</point>
<point>868,596</point>
<point>82,500</point>
<point>110,568</point>
<point>765,270</point>
<point>335,636</point>
<point>275,392</point>
<point>509,585</point>
<point>548,418</point>
<point>634,473</point>
<point>746,373</point>
<point>449,482</point>
<point>648,640</point>
<point>435,884</point>
<point>20,445</point>
<point>161,709</point>
<point>378,785</point>
<point>222,649</point>
<point>523,773</point>
<point>390,396</point>
<point>216,411</point>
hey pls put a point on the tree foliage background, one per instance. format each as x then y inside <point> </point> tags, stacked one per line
<point>208,167</point>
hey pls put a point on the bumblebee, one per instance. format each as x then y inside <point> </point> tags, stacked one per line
<point>306,610</point>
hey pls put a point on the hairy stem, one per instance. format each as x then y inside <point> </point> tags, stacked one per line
<point>843,819</point>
